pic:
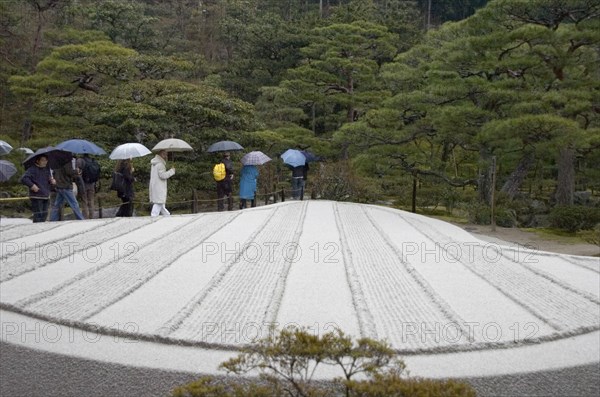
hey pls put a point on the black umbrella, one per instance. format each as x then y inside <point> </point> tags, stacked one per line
<point>224,146</point>
<point>310,157</point>
<point>56,157</point>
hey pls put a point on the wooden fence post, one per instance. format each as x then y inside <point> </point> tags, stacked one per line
<point>493,194</point>
<point>194,201</point>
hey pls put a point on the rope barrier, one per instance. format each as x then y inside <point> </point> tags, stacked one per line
<point>2,200</point>
<point>147,203</point>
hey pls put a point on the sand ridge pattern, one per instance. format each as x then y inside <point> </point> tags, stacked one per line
<point>420,303</point>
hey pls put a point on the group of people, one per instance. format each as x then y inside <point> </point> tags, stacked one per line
<point>69,179</point>
<point>248,183</point>
<point>41,180</point>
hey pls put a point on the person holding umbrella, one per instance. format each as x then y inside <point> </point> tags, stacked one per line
<point>65,176</point>
<point>299,175</point>
<point>223,172</point>
<point>90,174</point>
<point>296,161</point>
<point>125,168</point>
<point>224,188</point>
<point>90,171</point>
<point>38,179</point>
<point>158,183</point>
<point>249,176</point>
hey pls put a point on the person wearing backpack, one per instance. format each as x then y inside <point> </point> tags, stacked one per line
<point>90,174</point>
<point>223,175</point>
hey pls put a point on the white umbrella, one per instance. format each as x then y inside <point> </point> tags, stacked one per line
<point>128,151</point>
<point>255,158</point>
<point>25,150</point>
<point>172,145</point>
<point>5,147</point>
<point>7,169</point>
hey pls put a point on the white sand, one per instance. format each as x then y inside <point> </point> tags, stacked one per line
<point>221,279</point>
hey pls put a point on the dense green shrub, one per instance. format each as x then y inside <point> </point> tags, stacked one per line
<point>592,236</point>
<point>210,386</point>
<point>393,385</point>
<point>337,181</point>
<point>481,214</point>
<point>574,218</point>
<point>505,217</point>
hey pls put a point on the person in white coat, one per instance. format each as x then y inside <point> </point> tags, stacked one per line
<point>158,183</point>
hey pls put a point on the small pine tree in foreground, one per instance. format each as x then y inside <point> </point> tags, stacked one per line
<point>286,363</point>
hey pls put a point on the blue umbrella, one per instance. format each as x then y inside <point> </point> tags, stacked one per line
<point>224,146</point>
<point>293,157</point>
<point>80,146</point>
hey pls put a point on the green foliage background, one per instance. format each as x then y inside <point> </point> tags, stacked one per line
<point>388,92</point>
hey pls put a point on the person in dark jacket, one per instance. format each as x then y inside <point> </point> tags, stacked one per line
<point>125,168</point>
<point>39,180</point>
<point>224,187</point>
<point>86,189</point>
<point>299,175</point>
<point>65,175</point>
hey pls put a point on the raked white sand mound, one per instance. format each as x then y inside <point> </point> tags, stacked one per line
<point>219,280</point>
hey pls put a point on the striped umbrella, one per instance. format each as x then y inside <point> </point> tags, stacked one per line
<point>255,158</point>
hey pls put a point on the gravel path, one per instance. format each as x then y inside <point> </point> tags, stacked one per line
<point>26,372</point>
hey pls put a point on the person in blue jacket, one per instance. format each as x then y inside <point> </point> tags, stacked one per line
<point>248,178</point>
<point>39,180</point>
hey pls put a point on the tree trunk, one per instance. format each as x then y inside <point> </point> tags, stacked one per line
<point>515,180</point>
<point>27,128</point>
<point>566,177</point>
<point>484,184</point>
<point>350,87</point>
<point>414,196</point>
<point>313,116</point>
